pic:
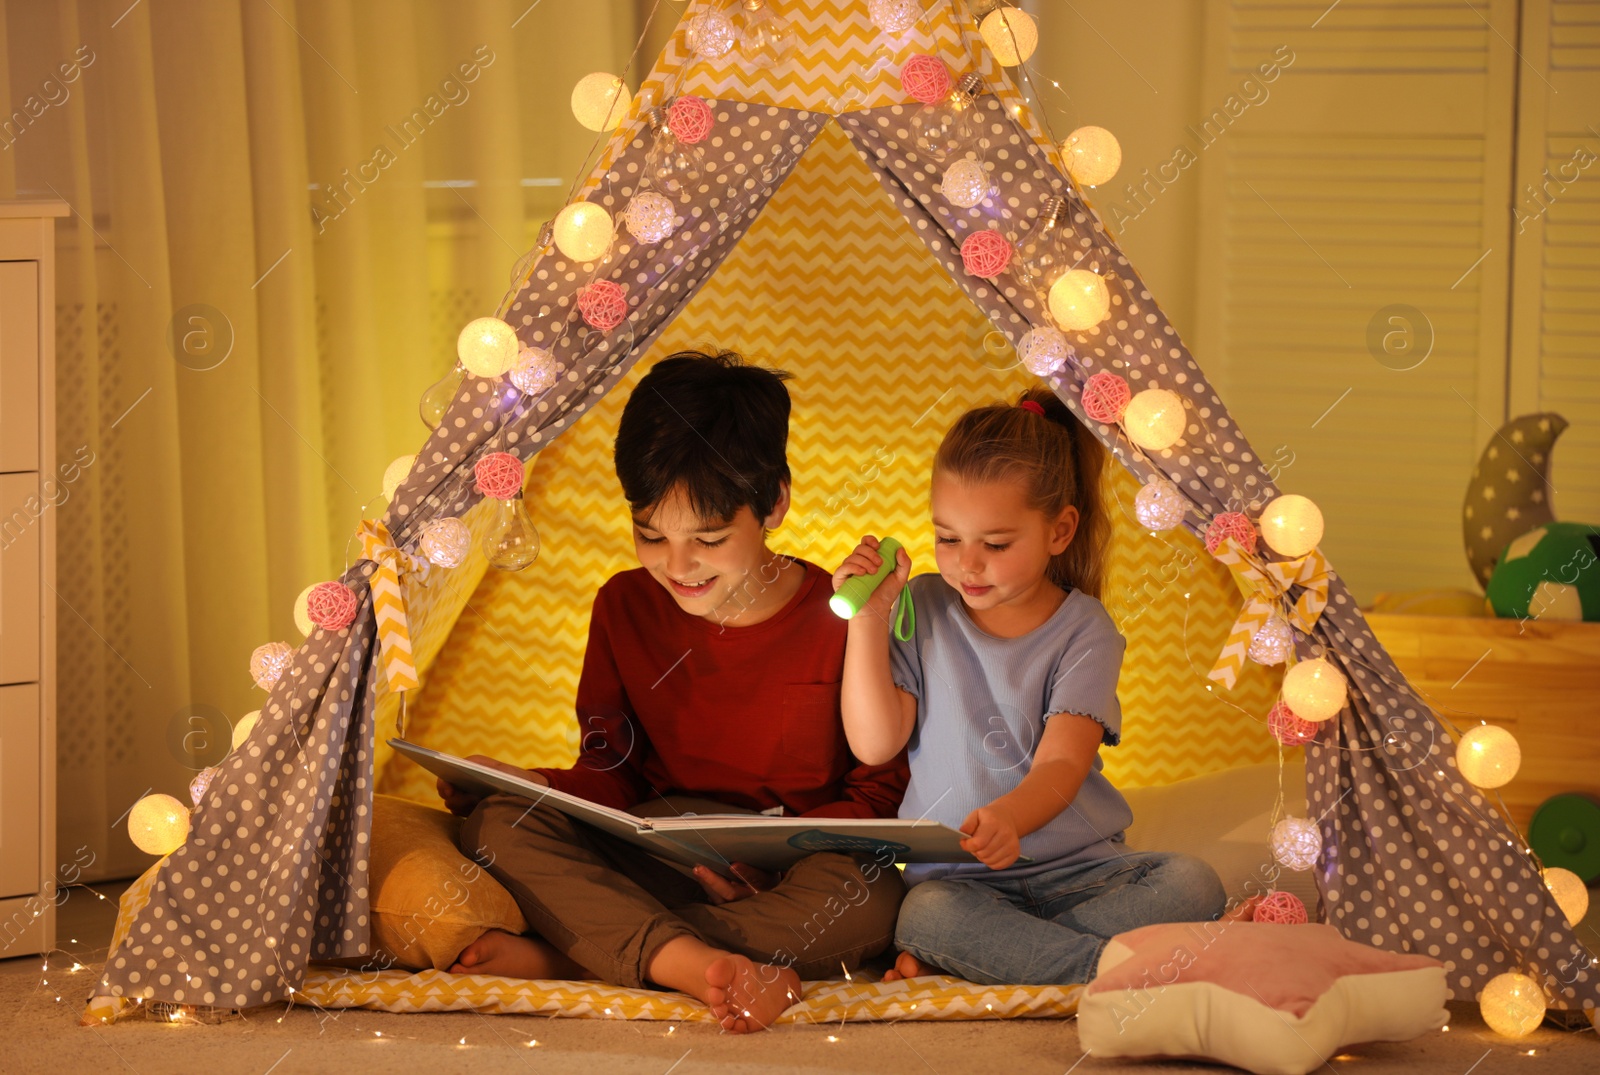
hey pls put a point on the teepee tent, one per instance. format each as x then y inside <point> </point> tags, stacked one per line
<point>273,874</point>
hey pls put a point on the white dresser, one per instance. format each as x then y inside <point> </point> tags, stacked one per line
<point>31,884</point>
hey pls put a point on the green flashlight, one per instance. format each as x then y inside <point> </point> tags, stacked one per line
<point>857,590</point>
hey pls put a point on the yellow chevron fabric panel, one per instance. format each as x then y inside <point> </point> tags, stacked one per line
<point>830,284</point>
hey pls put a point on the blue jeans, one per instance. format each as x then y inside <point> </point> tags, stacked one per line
<point>1050,928</point>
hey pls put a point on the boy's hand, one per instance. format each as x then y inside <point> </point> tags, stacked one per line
<point>991,836</point>
<point>865,561</point>
<point>461,801</point>
<point>747,881</point>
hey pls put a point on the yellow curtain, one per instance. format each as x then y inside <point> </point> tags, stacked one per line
<point>328,190</point>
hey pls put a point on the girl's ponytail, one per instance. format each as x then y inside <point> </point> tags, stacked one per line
<point>1082,565</point>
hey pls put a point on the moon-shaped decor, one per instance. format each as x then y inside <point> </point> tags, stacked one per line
<point>1509,494</point>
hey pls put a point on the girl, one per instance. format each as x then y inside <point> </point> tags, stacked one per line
<point>1005,693</point>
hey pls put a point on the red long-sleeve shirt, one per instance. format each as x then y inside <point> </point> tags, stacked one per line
<point>670,703</point>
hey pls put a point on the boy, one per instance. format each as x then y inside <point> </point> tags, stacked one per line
<point>710,684</point>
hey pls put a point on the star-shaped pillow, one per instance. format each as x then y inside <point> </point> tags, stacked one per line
<point>1272,999</point>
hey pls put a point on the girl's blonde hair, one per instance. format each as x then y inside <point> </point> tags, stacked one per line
<point>1059,463</point>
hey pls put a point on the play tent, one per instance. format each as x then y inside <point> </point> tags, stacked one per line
<point>851,275</point>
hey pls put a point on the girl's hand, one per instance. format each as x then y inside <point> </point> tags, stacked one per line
<point>865,561</point>
<point>992,836</point>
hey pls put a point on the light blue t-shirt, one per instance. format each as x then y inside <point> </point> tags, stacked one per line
<point>982,703</point>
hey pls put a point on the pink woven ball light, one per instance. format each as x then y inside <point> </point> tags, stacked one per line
<point>1282,909</point>
<point>331,606</point>
<point>1288,727</point>
<point>602,305</point>
<point>985,254</point>
<point>925,78</point>
<point>1105,397</point>
<point>689,118</point>
<point>1231,524</point>
<point>499,475</point>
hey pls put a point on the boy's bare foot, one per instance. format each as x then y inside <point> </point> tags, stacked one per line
<point>741,996</point>
<point>1243,911</point>
<point>907,965</point>
<point>512,955</point>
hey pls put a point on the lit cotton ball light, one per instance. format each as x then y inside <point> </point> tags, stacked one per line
<point>535,371</point>
<point>446,542</point>
<point>158,824</point>
<point>393,475</point>
<point>1488,756</point>
<point>1044,351</point>
<point>1272,643</point>
<point>268,662</point>
<point>1291,525</point>
<point>242,730</point>
<point>1010,34</point>
<point>583,231</point>
<point>600,101</point>
<point>1512,1004</point>
<point>965,183</point>
<point>1570,893</point>
<point>1079,300</point>
<point>892,16</point>
<point>650,216</point>
<point>1092,155</point>
<point>1160,505</point>
<point>302,618</point>
<point>1315,689</point>
<point>1296,843</point>
<point>1154,419</point>
<point>487,346</point>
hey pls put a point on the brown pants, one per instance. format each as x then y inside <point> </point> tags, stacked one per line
<point>609,905</point>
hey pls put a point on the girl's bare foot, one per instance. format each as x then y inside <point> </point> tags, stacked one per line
<point>746,996</point>
<point>907,965</point>
<point>512,955</point>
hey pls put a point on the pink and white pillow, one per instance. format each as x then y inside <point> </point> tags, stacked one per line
<point>1272,999</point>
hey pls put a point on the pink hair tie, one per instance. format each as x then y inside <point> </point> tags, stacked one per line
<point>1030,405</point>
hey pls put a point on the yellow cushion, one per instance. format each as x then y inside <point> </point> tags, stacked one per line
<point>429,901</point>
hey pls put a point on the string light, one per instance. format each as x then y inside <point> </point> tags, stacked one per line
<point>1154,419</point>
<point>1315,689</point>
<point>1512,1004</point>
<point>1488,756</point>
<point>1010,34</point>
<point>1291,526</point>
<point>600,101</point>
<point>1079,300</point>
<point>583,231</point>
<point>487,346</point>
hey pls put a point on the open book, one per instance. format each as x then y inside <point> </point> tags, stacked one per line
<point>715,840</point>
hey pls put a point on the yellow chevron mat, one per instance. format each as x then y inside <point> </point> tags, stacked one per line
<point>831,285</point>
<point>831,1001</point>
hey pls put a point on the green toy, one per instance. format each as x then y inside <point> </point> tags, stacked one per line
<point>1549,573</point>
<point>857,590</point>
<point>1565,832</point>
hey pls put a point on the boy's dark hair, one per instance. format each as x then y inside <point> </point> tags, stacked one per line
<point>711,423</point>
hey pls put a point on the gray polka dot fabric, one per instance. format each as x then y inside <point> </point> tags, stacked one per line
<point>274,874</point>
<point>1509,494</point>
